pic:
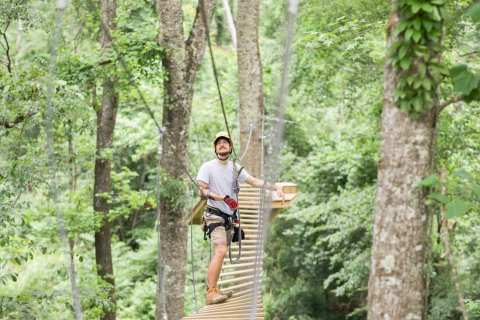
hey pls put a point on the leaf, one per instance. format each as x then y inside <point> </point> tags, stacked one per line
<point>417,36</point>
<point>417,23</point>
<point>400,28</point>
<point>474,12</point>
<point>428,8</point>
<point>428,25</point>
<point>462,173</point>
<point>422,69</point>
<point>408,34</point>
<point>464,81</point>
<point>402,52</point>
<point>476,190</point>
<point>439,197</point>
<point>436,14</point>
<point>405,106</point>
<point>472,96</point>
<point>458,69</point>
<point>416,7</point>
<point>456,208</point>
<point>429,181</point>
<point>427,84</point>
<point>417,83</point>
<point>405,64</point>
<point>418,104</point>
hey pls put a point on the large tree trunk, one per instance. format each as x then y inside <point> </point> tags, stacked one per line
<point>180,61</point>
<point>397,284</point>
<point>106,116</point>
<point>250,86</point>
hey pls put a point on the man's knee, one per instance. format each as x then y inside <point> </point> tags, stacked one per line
<point>221,250</point>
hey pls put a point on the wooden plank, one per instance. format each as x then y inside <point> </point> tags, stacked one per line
<point>236,273</point>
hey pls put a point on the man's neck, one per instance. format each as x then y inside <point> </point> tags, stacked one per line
<point>224,162</point>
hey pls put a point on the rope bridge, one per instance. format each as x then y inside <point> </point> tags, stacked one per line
<point>244,277</point>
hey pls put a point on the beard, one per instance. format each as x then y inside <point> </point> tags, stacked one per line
<point>223,155</point>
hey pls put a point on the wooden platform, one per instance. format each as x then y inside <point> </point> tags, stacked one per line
<point>244,278</point>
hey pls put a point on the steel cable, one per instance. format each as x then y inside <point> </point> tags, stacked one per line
<point>271,161</point>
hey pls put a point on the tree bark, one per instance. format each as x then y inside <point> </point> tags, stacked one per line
<point>397,283</point>
<point>250,86</point>
<point>77,306</point>
<point>181,60</point>
<point>106,116</point>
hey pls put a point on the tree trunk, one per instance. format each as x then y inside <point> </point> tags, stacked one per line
<point>77,306</point>
<point>397,284</point>
<point>250,86</point>
<point>180,61</point>
<point>106,116</point>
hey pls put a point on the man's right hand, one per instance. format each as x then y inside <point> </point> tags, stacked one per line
<point>231,203</point>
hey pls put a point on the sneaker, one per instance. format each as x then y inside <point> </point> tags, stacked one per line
<point>214,296</point>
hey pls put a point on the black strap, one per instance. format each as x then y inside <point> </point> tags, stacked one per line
<point>227,222</point>
<point>226,217</point>
<point>209,229</point>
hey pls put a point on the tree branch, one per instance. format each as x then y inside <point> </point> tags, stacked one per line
<point>8,125</point>
<point>470,53</point>
<point>195,44</point>
<point>230,22</point>
<point>446,103</point>
<point>7,48</point>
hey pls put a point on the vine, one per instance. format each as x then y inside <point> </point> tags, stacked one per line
<point>416,54</point>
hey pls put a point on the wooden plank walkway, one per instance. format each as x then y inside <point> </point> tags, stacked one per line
<point>241,277</point>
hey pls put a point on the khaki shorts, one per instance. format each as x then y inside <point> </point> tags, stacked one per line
<point>218,235</point>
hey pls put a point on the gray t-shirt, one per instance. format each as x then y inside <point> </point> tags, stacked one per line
<point>220,180</point>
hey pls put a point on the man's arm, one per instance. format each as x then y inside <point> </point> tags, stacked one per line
<point>206,194</point>
<point>259,183</point>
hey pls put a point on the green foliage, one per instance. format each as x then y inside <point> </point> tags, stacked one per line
<point>14,10</point>
<point>444,298</point>
<point>126,200</point>
<point>415,53</point>
<point>320,256</point>
<point>463,192</point>
<point>457,208</point>
<point>474,12</point>
<point>466,82</point>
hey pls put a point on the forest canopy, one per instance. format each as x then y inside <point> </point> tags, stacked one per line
<point>89,98</point>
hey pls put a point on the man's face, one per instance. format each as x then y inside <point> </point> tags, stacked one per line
<point>222,147</point>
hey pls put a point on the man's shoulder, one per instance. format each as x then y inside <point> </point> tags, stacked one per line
<point>209,164</point>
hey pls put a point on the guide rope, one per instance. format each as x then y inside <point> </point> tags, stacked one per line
<point>273,159</point>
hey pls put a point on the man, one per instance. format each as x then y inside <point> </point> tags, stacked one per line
<point>216,179</point>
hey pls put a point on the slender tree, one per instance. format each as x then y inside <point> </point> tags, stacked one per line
<point>397,286</point>
<point>106,116</point>
<point>250,85</point>
<point>181,60</point>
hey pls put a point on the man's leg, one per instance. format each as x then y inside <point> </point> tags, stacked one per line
<point>219,240</point>
<point>215,265</point>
